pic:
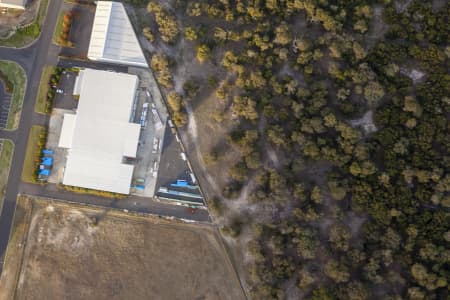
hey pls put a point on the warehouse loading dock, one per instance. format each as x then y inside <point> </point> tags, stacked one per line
<point>135,166</point>
<point>149,142</point>
<point>159,162</point>
<point>148,152</point>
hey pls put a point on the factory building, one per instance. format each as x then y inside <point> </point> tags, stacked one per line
<point>100,138</point>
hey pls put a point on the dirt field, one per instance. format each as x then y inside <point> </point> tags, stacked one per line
<point>59,251</point>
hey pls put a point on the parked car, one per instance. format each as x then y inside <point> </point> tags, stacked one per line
<point>149,95</point>
<point>59,91</point>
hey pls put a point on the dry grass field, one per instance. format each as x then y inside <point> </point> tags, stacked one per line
<point>62,251</point>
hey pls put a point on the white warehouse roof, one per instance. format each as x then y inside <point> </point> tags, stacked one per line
<point>19,4</point>
<point>113,39</point>
<point>68,126</point>
<point>100,135</point>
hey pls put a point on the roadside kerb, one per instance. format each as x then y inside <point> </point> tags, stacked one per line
<point>129,211</point>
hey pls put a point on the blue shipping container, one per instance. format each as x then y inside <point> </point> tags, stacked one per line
<point>44,172</point>
<point>47,152</point>
<point>47,161</point>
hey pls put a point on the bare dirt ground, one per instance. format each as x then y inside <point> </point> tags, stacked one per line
<point>377,27</point>
<point>17,17</point>
<point>60,251</point>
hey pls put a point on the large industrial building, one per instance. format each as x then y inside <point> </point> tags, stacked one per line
<point>100,138</point>
<point>113,39</point>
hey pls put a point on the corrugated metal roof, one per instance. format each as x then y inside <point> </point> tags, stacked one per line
<point>113,38</point>
<point>14,3</point>
<point>102,133</point>
<point>65,139</point>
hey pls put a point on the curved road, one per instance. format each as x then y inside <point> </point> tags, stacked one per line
<point>22,56</point>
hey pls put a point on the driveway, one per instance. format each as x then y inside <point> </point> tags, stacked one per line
<point>68,63</point>
<point>66,84</point>
<point>132,203</point>
<point>23,56</point>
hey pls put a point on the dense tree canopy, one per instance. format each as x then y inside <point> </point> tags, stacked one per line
<point>356,103</point>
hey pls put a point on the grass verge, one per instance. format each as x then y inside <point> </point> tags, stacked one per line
<point>32,154</point>
<point>15,251</point>
<point>6,153</point>
<point>61,33</point>
<point>41,102</point>
<point>42,12</point>
<point>16,75</point>
<point>58,28</point>
<point>26,35</point>
<point>80,190</point>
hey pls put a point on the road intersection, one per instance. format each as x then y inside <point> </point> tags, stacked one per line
<point>32,59</point>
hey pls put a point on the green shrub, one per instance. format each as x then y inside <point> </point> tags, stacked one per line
<point>32,30</point>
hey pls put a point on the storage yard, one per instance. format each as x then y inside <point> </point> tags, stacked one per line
<point>157,144</point>
<point>61,251</point>
<point>101,151</point>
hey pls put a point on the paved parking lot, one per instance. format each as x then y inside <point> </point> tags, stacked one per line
<point>5,102</point>
<point>66,100</point>
<point>80,32</point>
<point>174,168</point>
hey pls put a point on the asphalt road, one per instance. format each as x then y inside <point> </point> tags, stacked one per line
<point>131,203</point>
<point>22,56</point>
<point>32,59</point>
<point>173,167</point>
<point>70,63</point>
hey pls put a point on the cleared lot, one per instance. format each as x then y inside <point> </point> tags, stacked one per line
<point>60,251</point>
